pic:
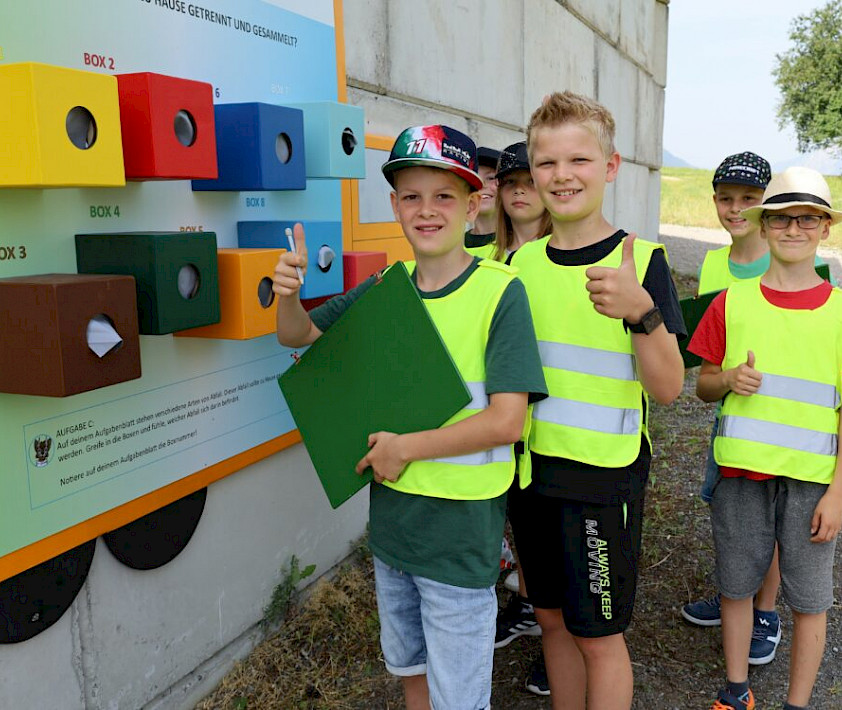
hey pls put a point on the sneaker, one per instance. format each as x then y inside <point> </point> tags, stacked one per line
<point>726,701</point>
<point>516,619</point>
<point>765,637</point>
<point>512,581</point>
<point>705,612</point>
<point>536,681</point>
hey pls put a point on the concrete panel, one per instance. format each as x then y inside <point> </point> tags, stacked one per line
<point>367,40</point>
<point>45,671</point>
<point>493,136</point>
<point>559,54</point>
<point>637,30</point>
<point>617,91</point>
<point>631,199</point>
<point>385,116</point>
<point>145,632</point>
<point>659,49</point>
<point>653,206</point>
<point>459,53</point>
<point>603,15</point>
<point>608,200</point>
<point>650,121</point>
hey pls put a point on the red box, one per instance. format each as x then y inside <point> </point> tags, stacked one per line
<point>357,266</point>
<point>168,127</point>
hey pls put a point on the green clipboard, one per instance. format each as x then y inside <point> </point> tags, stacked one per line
<point>381,367</point>
<point>694,308</point>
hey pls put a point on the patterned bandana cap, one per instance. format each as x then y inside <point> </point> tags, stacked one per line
<point>743,169</point>
<point>434,147</point>
<point>488,156</point>
<point>512,158</point>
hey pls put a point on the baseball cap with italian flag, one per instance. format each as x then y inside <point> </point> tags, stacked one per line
<point>434,147</point>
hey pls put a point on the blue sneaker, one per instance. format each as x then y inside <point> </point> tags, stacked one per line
<point>705,612</point>
<point>765,637</point>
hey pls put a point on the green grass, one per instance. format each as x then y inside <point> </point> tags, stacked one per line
<point>686,200</point>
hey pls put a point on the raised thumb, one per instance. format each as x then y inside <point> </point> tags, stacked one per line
<point>298,236</point>
<point>628,249</point>
<point>750,359</point>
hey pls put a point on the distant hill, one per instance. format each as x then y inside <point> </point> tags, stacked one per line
<point>822,160</point>
<point>673,161</point>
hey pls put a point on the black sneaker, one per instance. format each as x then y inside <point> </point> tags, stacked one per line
<point>536,681</point>
<point>516,619</point>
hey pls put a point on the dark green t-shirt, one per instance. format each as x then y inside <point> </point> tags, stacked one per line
<point>455,542</point>
<point>477,240</point>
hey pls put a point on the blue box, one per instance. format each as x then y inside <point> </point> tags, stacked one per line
<point>324,244</point>
<point>334,139</point>
<point>258,147</point>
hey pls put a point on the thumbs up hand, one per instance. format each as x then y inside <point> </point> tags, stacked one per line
<point>285,281</point>
<point>616,292</point>
<point>744,379</point>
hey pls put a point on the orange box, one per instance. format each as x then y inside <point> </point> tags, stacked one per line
<point>246,300</point>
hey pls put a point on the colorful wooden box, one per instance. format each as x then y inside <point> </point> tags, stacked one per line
<point>324,251</point>
<point>44,320</point>
<point>333,139</point>
<point>247,303</point>
<point>58,127</point>
<point>175,274</point>
<point>168,127</point>
<point>357,266</point>
<point>259,147</point>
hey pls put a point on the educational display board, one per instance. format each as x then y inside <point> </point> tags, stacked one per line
<point>65,459</point>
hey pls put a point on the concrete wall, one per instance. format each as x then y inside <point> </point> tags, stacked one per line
<point>163,638</point>
<point>482,66</point>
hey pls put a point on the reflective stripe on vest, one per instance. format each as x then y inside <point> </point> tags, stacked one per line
<point>463,319</point>
<point>594,413</point>
<point>790,426</point>
<point>715,274</point>
<point>763,432</point>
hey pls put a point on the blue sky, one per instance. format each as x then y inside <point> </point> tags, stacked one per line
<point>721,96</point>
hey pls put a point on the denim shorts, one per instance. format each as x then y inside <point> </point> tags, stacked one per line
<point>711,467</point>
<point>444,631</point>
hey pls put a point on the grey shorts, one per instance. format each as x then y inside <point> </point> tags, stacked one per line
<point>747,518</point>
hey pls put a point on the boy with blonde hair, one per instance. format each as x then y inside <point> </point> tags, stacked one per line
<point>772,352</point>
<point>606,316</point>
<point>438,500</point>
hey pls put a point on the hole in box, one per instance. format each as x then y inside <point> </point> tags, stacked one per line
<point>184,126</point>
<point>81,127</point>
<point>265,294</point>
<point>283,148</point>
<point>349,141</point>
<point>188,281</point>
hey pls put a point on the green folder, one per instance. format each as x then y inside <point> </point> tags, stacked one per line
<point>381,367</point>
<point>694,308</point>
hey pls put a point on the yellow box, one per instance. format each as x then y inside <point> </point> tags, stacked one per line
<point>245,289</point>
<point>59,127</point>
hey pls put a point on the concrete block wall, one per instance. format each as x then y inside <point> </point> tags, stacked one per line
<point>483,66</point>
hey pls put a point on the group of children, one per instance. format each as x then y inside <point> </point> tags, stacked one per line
<point>563,327</point>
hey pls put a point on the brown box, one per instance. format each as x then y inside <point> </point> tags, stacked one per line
<point>44,321</point>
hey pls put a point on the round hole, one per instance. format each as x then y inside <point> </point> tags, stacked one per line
<point>188,281</point>
<point>102,335</point>
<point>265,294</point>
<point>81,127</point>
<point>185,128</point>
<point>283,147</point>
<point>349,141</point>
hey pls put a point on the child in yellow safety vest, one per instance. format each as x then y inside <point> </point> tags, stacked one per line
<point>772,352</point>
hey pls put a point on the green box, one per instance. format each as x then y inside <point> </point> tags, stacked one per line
<point>164,265</point>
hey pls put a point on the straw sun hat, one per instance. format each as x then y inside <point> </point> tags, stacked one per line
<point>795,187</point>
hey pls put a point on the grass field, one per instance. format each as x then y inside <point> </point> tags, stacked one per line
<point>686,199</point>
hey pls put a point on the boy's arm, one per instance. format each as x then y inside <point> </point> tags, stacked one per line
<point>499,424</point>
<point>827,517</point>
<point>617,293</point>
<point>295,328</point>
<point>714,382</point>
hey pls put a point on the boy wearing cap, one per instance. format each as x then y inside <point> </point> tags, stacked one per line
<point>438,502</point>
<point>772,351</point>
<point>738,184</point>
<point>606,316</point>
<point>482,230</point>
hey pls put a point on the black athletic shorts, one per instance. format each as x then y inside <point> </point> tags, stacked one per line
<point>578,557</point>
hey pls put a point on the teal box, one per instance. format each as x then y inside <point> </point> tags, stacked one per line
<point>334,139</point>
<point>175,274</point>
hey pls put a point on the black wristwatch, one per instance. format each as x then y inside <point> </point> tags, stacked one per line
<point>651,320</point>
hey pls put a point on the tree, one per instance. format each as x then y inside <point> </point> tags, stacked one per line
<point>809,76</point>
